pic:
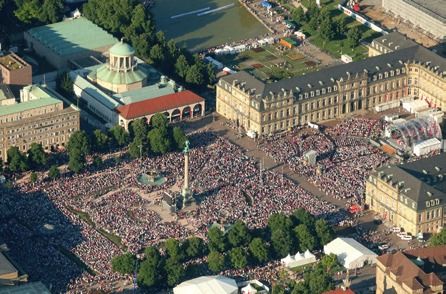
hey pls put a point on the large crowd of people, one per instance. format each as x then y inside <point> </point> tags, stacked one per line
<point>344,155</point>
<point>70,219</point>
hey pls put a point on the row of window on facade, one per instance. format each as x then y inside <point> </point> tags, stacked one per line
<point>41,127</point>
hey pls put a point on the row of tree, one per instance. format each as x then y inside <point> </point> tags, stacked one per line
<point>141,139</point>
<point>326,25</point>
<point>34,159</point>
<point>131,20</point>
<point>235,247</point>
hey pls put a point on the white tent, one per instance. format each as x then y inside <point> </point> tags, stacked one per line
<point>426,146</point>
<point>415,106</point>
<point>350,253</point>
<point>207,284</point>
<point>299,259</point>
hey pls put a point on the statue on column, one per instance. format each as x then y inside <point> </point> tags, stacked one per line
<point>186,193</point>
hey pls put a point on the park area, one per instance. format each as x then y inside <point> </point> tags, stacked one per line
<point>271,62</point>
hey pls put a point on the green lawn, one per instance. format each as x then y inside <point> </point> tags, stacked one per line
<point>271,60</point>
<point>338,47</point>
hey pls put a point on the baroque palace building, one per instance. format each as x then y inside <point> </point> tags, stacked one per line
<point>410,195</point>
<point>334,92</point>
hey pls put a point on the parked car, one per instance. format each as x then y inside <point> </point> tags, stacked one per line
<point>406,238</point>
<point>396,229</point>
<point>383,247</point>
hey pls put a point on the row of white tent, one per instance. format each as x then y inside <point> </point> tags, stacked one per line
<point>299,259</point>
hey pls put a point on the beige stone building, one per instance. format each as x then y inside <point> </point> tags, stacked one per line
<point>415,271</point>
<point>389,43</point>
<point>15,71</point>
<point>334,92</point>
<point>411,195</point>
<point>39,117</point>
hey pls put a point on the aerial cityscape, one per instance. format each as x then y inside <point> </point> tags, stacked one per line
<point>223,146</point>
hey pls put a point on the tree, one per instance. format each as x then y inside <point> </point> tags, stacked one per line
<point>181,66</point>
<point>137,148</point>
<point>238,234</point>
<point>139,129</point>
<point>36,155</point>
<point>282,242</point>
<point>216,261</point>
<point>179,138</point>
<point>78,147</point>
<point>438,239</point>
<point>175,272</point>
<point>53,172</point>
<point>123,264</point>
<point>100,140</point>
<point>217,240</point>
<point>324,231</point>
<point>33,177</point>
<point>194,247</point>
<point>238,257</point>
<point>354,36</point>
<point>301,216</point>
<point>119,135</point>
<point>51,11</point>
<point>305,238</point>
<point>159,140</point>
<point>327,29</point>
<point>341,27</point>
<point>157,54</point>
<point>173,249</point>
<point>17,162</point>
<point>279,221</point>
<point>330,263</point>
<point>159,121</point>
<point>28,11</point>
<point>298,15</point>
<point>151,270</point>
<point>64,84</point>
<point>194,75</point>
<point>258,250</point>
<point>278,289</point>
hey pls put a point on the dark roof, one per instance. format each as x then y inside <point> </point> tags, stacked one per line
<point>328,76</point>
<point>395,41</point>
<point>404,266</point>
<point>422,180</point>
<point>159,104</point>
<point>435,8</point>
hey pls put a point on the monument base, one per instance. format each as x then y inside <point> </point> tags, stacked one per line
<point>188,197</point>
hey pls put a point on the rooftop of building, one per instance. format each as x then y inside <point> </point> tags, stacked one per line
<point>6,267</point>
<point>422,180</point>
<point>5,92</point>
<point>418,268</point>
<point>12,62</point>
<point>45,99</point>
<point>329,76</point>
<point>145,93</point>
<point>28,288</point>
<point>122,49</point>
<point>105,74</point>
<point>435,8</point>
<point>395,41</point>
<point>159,104</point>
<point>72,36</point>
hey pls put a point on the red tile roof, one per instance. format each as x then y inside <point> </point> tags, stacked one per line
<point>159,104</point>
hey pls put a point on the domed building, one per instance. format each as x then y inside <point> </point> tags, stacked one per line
<point>121,73</point>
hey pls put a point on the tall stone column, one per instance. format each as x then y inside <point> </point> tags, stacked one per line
<point>186,193</point>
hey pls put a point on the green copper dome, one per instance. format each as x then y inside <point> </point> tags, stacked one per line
<point>122,49</point>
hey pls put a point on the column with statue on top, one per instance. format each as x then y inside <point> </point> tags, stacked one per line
<point>186,192</point>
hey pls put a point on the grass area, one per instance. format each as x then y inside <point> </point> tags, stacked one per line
<point>86,217</point>
<point>76,260</point>
<point>338,47</point>
<point>270,63</point>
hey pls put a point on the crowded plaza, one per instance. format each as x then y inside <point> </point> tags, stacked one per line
<point>78,213</point>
